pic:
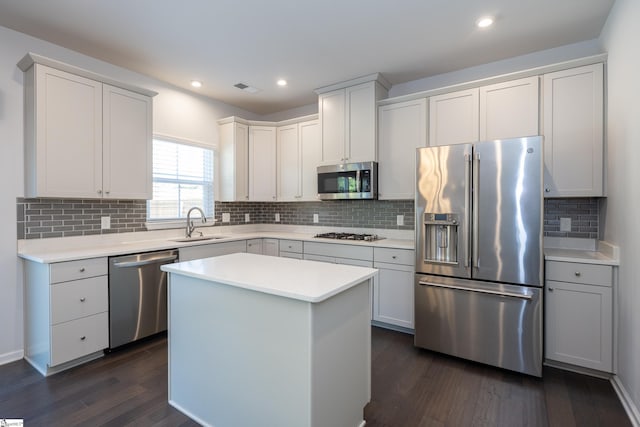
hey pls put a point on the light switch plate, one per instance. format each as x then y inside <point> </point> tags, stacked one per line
<point>105,222</point>
<point>565,224</point>
<point>316,219</point>
<point>277,217</point>
<point>400,220</point>
<point>247,218</point>
<point>226,217</point>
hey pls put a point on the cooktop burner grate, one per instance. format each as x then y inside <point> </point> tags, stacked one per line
<point>349,236</point>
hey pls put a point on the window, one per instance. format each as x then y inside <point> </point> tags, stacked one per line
<point>182,178</point>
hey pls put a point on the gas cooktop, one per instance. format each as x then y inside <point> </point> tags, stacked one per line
<point>349,236</point>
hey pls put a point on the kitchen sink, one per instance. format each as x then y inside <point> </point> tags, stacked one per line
<point>196,239</point>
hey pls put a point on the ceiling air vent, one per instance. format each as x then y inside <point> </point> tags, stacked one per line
<point>246,88</point>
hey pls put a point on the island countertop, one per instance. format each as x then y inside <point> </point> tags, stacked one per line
<point>304,280</point>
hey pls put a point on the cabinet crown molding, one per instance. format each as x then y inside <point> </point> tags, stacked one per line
<point>236,119</point>
<point>375,77</point>
<point>32,58</point>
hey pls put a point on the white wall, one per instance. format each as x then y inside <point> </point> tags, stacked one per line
<point>622,226</point>
<point>176,113</point>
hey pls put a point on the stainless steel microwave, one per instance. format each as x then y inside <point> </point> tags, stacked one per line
<point>348,181</point>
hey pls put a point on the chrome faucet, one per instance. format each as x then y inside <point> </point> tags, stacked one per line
<point>190,226</point>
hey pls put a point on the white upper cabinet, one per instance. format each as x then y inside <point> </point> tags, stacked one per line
<point>298,157</point>
<point>289,174</point>
<point>498,111</point>
<point>509,109</point>
<point>573,111</point>
<point>126,144</point>
<point>262,163</point>
<point>402,127</point>
<point>234,161</point>
<point>348,121</point>
<point>453,118</point>
<point>84,138</point>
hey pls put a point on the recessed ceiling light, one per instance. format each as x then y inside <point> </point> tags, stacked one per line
<point>484,22</point>
<point>282,82</point>
<point>196,83</point>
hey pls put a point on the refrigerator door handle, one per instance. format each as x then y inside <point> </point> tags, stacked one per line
<point>467,207</point>
<point>475,208</point>
<point>527,297</point>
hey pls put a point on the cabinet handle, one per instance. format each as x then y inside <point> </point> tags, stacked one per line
<point>394,257</point>
<point>81,269</point>
<point>550,289</point>
<point>107,192</point>
<point>547,190</point>
<point>577,273</point>
<point>83,299</point>
<point>82,338</point>
<point>99,191</point>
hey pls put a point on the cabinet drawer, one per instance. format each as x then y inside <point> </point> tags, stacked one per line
<point>291,246</point>
<point>77,338</point>
<point>296,255</point>
<point>590,274</point>
<point>79,298</point>
<point>394,256</point>
<point>339,250</point>
<point>80,269</point>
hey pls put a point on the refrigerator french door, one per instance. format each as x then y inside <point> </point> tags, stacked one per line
<point>479,252</point>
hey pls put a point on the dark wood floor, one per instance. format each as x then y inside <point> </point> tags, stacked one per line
<point>410,387</point>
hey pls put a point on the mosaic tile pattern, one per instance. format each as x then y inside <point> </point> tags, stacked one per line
<point>43,218</point>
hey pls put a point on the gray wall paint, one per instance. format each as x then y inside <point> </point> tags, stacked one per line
<point>44,218</point>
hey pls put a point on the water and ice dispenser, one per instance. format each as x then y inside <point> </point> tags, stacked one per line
<point>441,237</point>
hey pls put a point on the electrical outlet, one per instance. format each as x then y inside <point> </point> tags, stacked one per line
<point>565,224</point>
<point>277,217</point>
<point>400,220</point>
<point>226,217</point>
<point>316,219</point>
<point>247,218</point>
<point>105,223</point>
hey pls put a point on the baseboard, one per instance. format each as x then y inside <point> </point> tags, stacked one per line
<point>628,403</point>
<point>11,357</point>
<point>578,369</point>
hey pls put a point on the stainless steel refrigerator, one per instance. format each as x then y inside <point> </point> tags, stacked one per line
<point>479,252</point>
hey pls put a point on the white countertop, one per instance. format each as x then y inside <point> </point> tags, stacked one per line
<point>303,280</point>
<point>82,247</point>
<point>586,251</point>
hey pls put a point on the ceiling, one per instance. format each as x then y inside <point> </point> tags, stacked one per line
<point>309,43</point>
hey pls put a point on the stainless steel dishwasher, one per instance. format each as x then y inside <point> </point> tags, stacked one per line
<point>137,296</point>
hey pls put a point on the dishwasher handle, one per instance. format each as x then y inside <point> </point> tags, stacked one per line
<point>527,297</point>
<point>124,264</point>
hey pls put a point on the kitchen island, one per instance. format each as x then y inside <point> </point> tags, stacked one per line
<point>260,340</point>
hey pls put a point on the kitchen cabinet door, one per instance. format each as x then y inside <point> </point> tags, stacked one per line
<point>234,162</point>
<point>402,129</point>
<point>453,118</point>
<point>311,157</point>
<point>126,144</point>
<point>289,162</point>
<point>331,108</point>
<point>189,253</point>
<point>63,134</point>
<point>254,246</point>
<point>509,109</point>
<point>262,163</point>
<point>393,295</point>
<point>361,123</point>
<point>573,110</point>
<point>579,327</point>
<point>270,247</point>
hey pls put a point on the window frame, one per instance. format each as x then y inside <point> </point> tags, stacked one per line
<point>158,224</point>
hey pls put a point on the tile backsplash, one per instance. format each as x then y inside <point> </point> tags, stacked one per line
<point>43,218</point>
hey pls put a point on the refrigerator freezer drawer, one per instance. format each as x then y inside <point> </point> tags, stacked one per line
<point>496,324</point>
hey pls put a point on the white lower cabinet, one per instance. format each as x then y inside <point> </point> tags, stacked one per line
<point>579,314</point>
<point>290,248</point>
<point>263,246</point>
<point>213,249</point>
<point>393,288</point>
<point>66,313</point>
